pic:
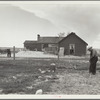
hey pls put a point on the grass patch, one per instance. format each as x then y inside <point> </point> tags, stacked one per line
<point>23,77</point>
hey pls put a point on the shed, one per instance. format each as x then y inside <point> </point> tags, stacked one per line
<point>73,45</point>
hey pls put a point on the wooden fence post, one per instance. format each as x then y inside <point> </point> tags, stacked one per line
<point>13,52</point>
<point>58,51</point>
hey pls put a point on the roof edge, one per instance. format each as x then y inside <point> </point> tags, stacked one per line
<point>74,34</point>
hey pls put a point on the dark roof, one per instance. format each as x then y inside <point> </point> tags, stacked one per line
<point>53,39</point>
<point>49,39</point>
<point>29,41</point>
<point>72,33</point>
<point>46,40</point>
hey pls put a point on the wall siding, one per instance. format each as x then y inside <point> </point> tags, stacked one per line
<point>33,46</point>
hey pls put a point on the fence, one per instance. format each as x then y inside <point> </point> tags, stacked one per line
<point>52,50</point>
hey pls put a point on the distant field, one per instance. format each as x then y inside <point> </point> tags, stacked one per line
<point>22,76</point>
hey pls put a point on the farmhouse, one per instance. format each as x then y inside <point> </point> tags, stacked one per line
<point>46,44</point>
<point>69,45</point>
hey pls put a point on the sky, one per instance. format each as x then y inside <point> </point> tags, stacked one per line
<point>20,21</point>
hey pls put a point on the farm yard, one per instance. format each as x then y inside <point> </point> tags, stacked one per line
<point>46,49</point>
<point>27,74</point>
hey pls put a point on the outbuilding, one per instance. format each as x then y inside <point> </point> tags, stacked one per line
<point>73,45</point>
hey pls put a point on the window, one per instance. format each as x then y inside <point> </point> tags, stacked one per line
<point>72,49</point>
<point>52,45</point>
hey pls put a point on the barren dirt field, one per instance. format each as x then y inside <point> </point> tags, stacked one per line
<point>27,75</point>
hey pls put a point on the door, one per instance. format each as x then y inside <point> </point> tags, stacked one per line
<point>71,49</point>
<point>61,51</point>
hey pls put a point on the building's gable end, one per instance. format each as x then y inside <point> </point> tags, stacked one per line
<point>71,35</point>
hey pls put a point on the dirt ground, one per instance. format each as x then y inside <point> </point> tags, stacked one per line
<point>27,75</point>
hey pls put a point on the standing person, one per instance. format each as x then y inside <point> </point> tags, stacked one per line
<point>93,60</point>
<point>8,53</point>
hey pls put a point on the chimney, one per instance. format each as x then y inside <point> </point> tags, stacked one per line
<point>72,32</point>
<point>38,37</point>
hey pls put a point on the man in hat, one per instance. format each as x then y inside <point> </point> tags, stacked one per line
<point>93,60</point>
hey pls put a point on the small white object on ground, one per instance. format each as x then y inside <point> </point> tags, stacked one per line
<point>40,77</point>
<point>39,91</point>
<point>39,69</point>
<point>43,72</point>
<point>53,64</point>
<point>30,87</point>
<point>14,77</point>
<point>46,80</point>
